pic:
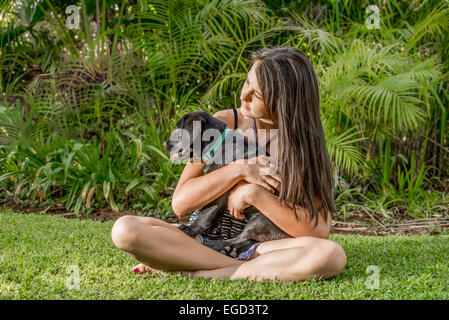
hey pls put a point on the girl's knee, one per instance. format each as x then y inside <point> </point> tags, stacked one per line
<point>320,258</point>
<point>125,233</point>
<point>333,259</point>
<point>340,257</point>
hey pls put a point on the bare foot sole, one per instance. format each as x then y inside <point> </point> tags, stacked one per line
<point>142,268</point>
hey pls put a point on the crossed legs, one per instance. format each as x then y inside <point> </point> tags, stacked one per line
<point>162,246</point>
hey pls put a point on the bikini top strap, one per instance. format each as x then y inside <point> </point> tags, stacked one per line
<point>235,118</point>
<point>255,131</point>
<point>268,142</point>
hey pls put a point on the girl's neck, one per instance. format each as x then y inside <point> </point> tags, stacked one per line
<point>265,124</point>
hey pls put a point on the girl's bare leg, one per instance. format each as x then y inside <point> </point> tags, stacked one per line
<point>158,244</point>
<point>287,259</point>
<point>143,268</point>
<point>161,246</point>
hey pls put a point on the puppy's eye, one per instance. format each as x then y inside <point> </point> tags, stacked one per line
<point>176,136</point>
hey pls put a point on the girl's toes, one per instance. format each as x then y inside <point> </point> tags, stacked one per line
<point>141,268</point>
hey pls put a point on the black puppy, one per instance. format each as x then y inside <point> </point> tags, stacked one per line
<point>224,146</point>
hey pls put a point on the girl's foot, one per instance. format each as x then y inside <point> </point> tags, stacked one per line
<point>142,268</point>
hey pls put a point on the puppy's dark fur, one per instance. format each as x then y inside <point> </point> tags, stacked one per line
<point>258,227</point>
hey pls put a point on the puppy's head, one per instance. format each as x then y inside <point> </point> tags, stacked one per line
<point>188,129</point>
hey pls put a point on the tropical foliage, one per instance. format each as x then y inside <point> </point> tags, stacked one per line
<point>84,111</point>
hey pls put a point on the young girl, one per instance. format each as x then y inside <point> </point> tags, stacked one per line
<point>280,92</point>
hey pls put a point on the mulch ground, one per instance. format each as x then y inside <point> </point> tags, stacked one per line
<point>368,223</point>
<point>357,222</point>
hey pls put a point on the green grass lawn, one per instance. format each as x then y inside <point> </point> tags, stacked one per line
<point>40,256</point>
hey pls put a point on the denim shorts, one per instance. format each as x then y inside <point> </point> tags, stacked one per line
<point>247,255</point>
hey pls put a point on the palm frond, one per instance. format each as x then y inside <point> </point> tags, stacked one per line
<point>343,150</point>
<point>392,101</point>
<point>436,22</point>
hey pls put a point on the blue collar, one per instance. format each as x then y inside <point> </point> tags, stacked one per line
<point>208,155</point>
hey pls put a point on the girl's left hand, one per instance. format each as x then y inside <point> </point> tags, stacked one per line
<point>238,199</point>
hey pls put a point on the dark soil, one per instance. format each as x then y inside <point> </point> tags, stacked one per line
<point>356,222</point>
<point>98,214</point>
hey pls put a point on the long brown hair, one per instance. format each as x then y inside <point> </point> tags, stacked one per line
<point>290,92</point>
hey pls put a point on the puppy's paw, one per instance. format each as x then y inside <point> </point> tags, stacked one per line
<point>216,245</point>
<point>187,230</point>
<point>230,251</point>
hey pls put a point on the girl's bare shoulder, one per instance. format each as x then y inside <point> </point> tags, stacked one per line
<point>227,116</point>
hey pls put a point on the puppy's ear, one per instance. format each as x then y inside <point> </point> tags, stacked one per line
<point>181,122</point>
<point>191,117</point>
<point>203,121</point>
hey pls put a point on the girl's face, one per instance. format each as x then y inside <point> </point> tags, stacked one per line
<point>251,97</point>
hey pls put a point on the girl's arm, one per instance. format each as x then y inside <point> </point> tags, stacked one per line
<point>195,189</point>
<point>283,217</point>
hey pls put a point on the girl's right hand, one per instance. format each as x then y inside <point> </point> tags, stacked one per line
<point>259,172</point>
